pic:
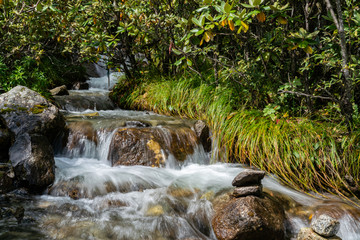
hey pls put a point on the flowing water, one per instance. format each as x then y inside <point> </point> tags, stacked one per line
<point>90,199</point>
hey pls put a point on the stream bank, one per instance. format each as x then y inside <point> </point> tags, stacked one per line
<point>93,199</point>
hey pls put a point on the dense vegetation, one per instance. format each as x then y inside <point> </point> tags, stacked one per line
<point>278,81</point>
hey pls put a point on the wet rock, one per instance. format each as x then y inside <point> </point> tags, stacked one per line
<point>137,124</point>
<point>203,133</point>
<point>6,178</point>
<point>199,214</point>
<point>33,161</point>
<point>325,226</point>
<point>19,213</point>
<point>248,190</point>
<point>6,139</point>
<point>77,101</point>
<point>248,177</point>
<point>78,131</point>
<point>250,218</point>
<point>150,146</point>
<point>309,234</point>
<point>59,91</point>
<point>81,86</point>
<point>26,111</point>
<point>133,146</point>
<point>154,211</point>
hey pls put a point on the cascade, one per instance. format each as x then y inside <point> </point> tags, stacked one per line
<point>94,198</point>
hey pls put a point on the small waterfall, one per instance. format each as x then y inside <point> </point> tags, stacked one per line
<point>91,199</point>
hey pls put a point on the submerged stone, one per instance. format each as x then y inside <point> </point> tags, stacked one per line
<point>309,234</point>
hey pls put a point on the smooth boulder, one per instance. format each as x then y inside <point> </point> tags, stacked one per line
<point>32,158</point>
<point>250,218</point>
<point>26,111</point>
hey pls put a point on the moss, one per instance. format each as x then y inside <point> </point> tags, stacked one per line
<point>6,110</point>
<point>38,109</point>
<point>22,108</point>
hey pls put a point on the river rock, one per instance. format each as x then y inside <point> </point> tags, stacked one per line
<point>248,177</point>
<point>134,146</point>
<point>26,111</point>
<point>309,234</point>
<point>250,218</point>
<point>6,178</point>
<point>248,190</point>
<point>6,139</point>
<point>151,146</point>
<point>59,91</point>
<point>203,133</point>
<point>79,131</point>
<point>81,86</point>
<point>325,226</point>
<point>33,161</point>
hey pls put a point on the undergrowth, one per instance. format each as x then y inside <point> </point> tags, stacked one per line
<point>308,155</point>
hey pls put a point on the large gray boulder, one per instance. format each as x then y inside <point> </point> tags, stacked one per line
<point>35,122</point>
<point>249,218</point>
<point>26,111</point>
<point>32,158</point>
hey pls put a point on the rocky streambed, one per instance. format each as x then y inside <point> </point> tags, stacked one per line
<point>88,173</point>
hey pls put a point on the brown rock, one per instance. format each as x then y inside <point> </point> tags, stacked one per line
<point>250,218</point>
<point>151,146</point>
<point>248,177</point>
<point>59,91</point>
<point>134,146</point>
<point>79,130</point>
<point>203,133</point>
<point>248,190</point>
<point>309,234</point>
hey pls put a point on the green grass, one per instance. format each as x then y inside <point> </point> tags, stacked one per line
<point>307,155</point>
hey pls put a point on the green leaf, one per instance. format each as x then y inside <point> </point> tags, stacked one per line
<point>303,44</point>
<point>202,20</point>
<point>189,62</point>
<point>227,7</point>
<point>247,5</point>
<point>177,52</point>
<point>196,22</point>
<point>199,32</point>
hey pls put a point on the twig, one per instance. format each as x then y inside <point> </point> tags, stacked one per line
<point>307,95</point>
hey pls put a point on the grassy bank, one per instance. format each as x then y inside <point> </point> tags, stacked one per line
<point>308,155</point>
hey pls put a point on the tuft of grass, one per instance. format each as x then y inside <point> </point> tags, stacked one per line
<point>305,154</point>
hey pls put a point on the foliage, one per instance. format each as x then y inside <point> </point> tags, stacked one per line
<point>306,154</point>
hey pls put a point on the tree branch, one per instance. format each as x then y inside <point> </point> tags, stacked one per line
<point>307,95</point>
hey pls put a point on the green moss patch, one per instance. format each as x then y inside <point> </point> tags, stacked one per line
<point>37,109</point>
